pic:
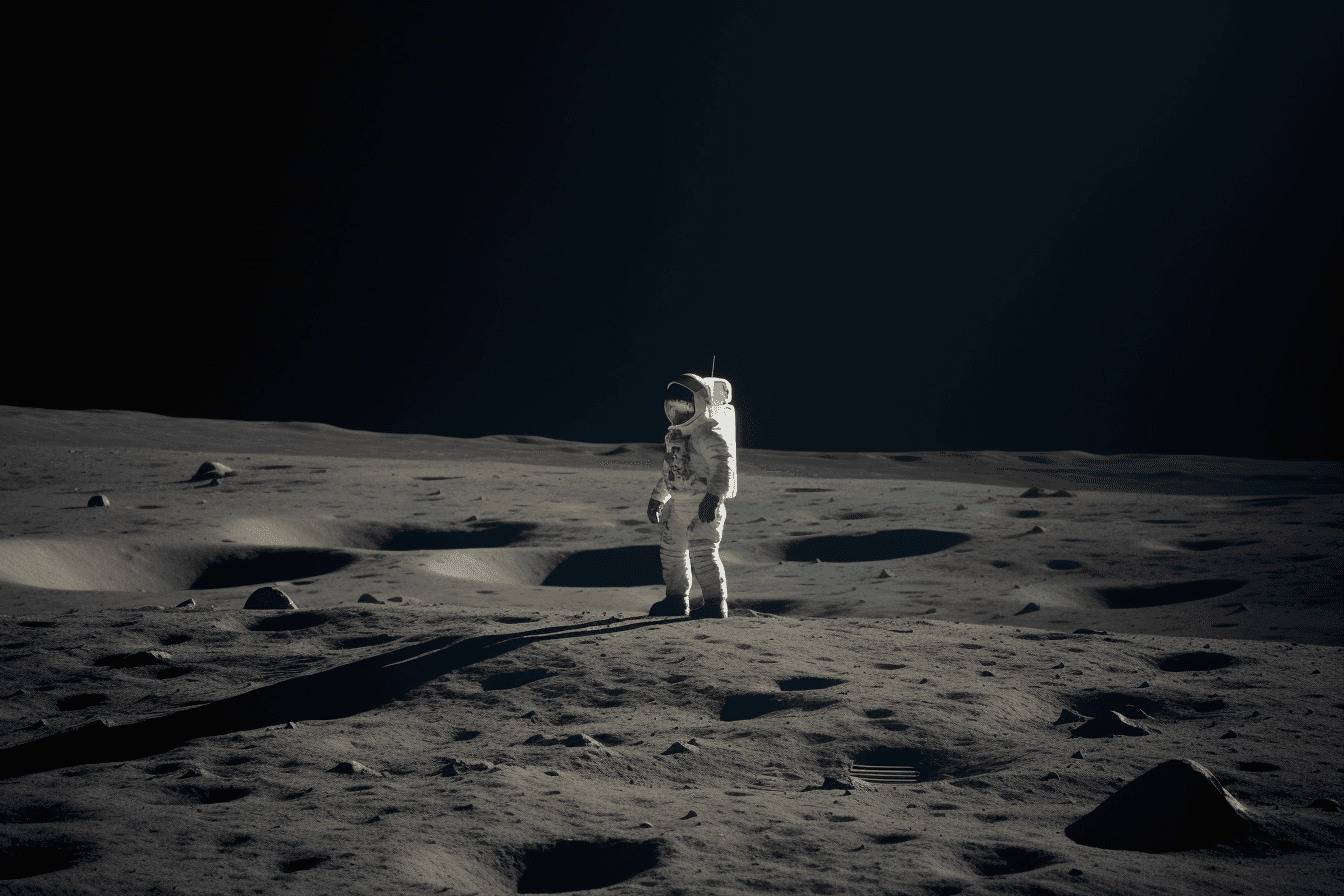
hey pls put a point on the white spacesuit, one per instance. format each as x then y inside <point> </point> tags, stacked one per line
<point>699,473</point>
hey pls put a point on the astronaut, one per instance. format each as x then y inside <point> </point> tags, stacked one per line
<point>699,473</point>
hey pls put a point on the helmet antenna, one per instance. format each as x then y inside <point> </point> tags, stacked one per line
<point>711,366</point>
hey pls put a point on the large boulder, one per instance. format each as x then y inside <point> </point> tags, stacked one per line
<point>269,598</point>
<point>99,501</point>
<point>1109,724</point>
<point>1177,805</point>
<point>212,470</point>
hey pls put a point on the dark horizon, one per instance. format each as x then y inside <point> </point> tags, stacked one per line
<point>980,227</point>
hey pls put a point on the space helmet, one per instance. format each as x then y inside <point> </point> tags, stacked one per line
<point>682,402</point>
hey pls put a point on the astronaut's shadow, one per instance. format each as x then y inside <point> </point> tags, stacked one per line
<point>336,693</point>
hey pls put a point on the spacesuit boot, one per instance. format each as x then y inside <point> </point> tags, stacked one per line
<point>672,605</point>
<point>709,573</point>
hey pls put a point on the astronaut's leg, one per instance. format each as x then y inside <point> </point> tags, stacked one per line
<point>708,568</point>
<point>672,551</point>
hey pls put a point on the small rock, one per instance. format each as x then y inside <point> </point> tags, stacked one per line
<point>1068,717</point>
<point>1051,776</point>
<point>396,599</point>
<point>1145,685</point>
<point>435,492</point>
<point>693,742</point>
<point>1062,493</point>
<point>354,768</point>
<point>580,740</point>
<point>368,599</point>
<point>1239,608</point>
<point>212,470</point>
<point>187,604</point>
<point>884,574</point>
<point>269,598</point>
<point>196,772</point>
<point>1089,631</point>
<point>987,674</point>
<point>479,499</point>
<point>690,814</point>
<point>99,501</point>
<point>1036,530</point>
<point>1031,607</point>
<point>1059,666</point>
<point>1327,805</point>
<point>470,519</point>
<point>645,824</point>
<point>145,658</point>
<point>1230,733</point>
<point>680,747</point>
<point>960,507</point>
<point>1034,492</point>
<point>292,726</point>
<point>817,560</point>
<point>1077,755</point>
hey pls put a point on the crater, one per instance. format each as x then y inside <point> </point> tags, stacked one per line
<point>929,765</point>
<point>570,865</point>
<point>505,681</point>
<point>29,858</point>
<point>892,839</point>
<point>609,568</point>
<point>1064,564</point>
<point>1211,545</point>
<point>304,864</point>
<point>808,683</point>
<point>1029,514</point>
<point>1198,661</point>
<point>741,707</point>
<point>481,535</point>
<point>1000,564</point>
<point>1163,595</point>
<point>1000,860</point>
<point>80,701</point>
<point>262,566</point>
<point>875,546</point>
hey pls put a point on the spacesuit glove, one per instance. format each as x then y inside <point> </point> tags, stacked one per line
<point>709,505</point>
<point>654,506</point>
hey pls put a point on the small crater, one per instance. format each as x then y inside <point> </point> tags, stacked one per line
<point>626,567</point>
<point>1000,860</point>
<point>1000,564</point>
<point>1210,705</point>
<point>879,713</point>
<point>1029,514</point>
<point>875,546</point>
<point>1064,564</point>
<point>303,864</point>
<point>570,865</point>
<point>504,681</point>
<point>892,839</point>
<point>1164,595</point>
<point>224,794</point>
<point>361,641</point>
<point>514,620</point>
<point>1257,766</point>
<point>808,683</point>
<point>264,566</point>
<point>80,701</point>
<point>20,858</point>
<point>741,707</point>
<point>816,738</point>
<point>889,667</point>
<point>1197,661</point>
<point>466,735</point>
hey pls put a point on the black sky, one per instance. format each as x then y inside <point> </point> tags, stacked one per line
<point>1113,228</point>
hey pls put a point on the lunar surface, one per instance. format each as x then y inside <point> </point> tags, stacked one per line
<point>943,672</point>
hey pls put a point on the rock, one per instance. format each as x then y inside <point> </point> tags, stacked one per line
<point>1109,724</point>
<point>1230,734</point>
<point>1031,607</point>
<point>99,501</point>
<point>396,599</point>
<point>690,814</point>
<point>354,768</point>
<point>1058,666</point>
<point>196,772</point>
<point>1034,492</point>
<point>212,470</point>
<point>645,824</point>
<point>470,519</point>
<point>817,560</point>
<point>145,658</point>
<point>580,740</point>
<point>269,598</point>
<point>1036,530</point>
<point>1089,631</point>
<point>1177,805</point>
<point>368,599</point>
<point>1051,776</point>
<point>1327,805</point>
<point>1144,685</point>
<point>885,574</point>
<point>1062,493</point>
<point>435,492</point>
<point>960,507</point>
<point>1239,608</point>
<point>1078,754</point>
<point>680,747</point>
<point>1068,717</point>
<point>187,604</point>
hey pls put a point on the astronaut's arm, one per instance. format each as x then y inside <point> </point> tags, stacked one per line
<point>660,491</point>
